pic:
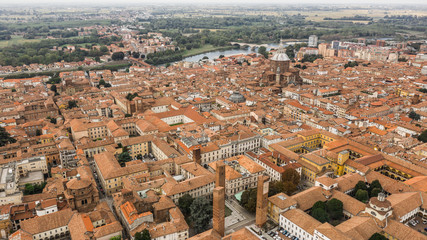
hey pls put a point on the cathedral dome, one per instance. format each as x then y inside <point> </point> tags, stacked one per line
<point>236,97</point>
<point>280,55</point>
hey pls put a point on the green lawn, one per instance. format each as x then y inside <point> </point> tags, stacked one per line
<point>227,211</point>
<point>17,40</point>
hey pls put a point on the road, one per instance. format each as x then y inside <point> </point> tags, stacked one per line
<point>249,217</point>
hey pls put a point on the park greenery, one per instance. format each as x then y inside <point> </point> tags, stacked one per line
<point>197,212</point>
<point>5,137</point>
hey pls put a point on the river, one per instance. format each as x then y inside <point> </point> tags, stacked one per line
<point>216,54</point>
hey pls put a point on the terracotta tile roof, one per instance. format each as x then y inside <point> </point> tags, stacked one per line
<point>47,222</point>
<point>302,220</point>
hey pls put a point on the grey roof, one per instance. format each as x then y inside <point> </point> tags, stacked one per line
<point>236,97</point>
<point>280,54</point>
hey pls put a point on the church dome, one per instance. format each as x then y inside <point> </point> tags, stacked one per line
<point>280,55</point>
<point>236,97</point>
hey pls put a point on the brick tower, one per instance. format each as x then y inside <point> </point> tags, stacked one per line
<point>197,157</point>
<point>220,174</point>
<point>219,210</point>
<point>261,204</point>
<point>219,200</point>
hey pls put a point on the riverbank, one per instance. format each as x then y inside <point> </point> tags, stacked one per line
<point>205,49</point>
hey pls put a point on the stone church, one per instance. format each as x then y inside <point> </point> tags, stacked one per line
<point>279,74</point>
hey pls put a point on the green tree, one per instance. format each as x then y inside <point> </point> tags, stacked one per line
<point>5,137</point>
<point>251,205</point>
<point>423,136</point>
<point>143,235</point>
<point>360,185</point>
<point>291,175</point>
<point>201,214</point>
<point>319,204</point>
<point>413,115</point>
<point>29,189</point>
<point>103,49</point>
<point>289,187</point>
<point>375,185</point>
<point>118,56</point>
<point>184,204</point>
<point>362,195</point>
<point>377,236</point>
<point>248,200</point>
<point>320,215</point>
<point>38,132</point>
<point>72,104</point>
<point>263,51</point>
<point>375,192</point>
<point>275,187</point>
<point>53,88</point>
<point>123,158</point>
<point>334,208</point>
<point>117,237</point>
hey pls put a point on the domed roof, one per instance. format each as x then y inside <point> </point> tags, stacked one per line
<point>280,55</point>
<point>76,184</point>
<point>380,201</point>
<point>236,97</point>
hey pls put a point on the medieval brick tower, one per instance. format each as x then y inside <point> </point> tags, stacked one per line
<point>219,200</point>
<point>261,205</point>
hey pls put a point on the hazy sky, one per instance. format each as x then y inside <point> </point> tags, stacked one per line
<point>156,2</point>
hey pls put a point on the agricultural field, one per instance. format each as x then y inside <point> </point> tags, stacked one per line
<point>319,15</point>
<point>16,40</point>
